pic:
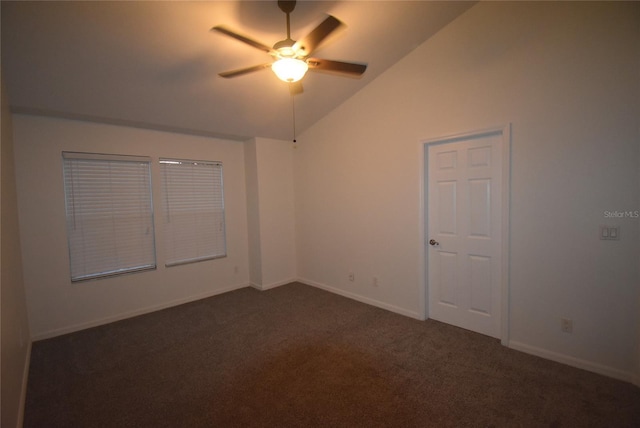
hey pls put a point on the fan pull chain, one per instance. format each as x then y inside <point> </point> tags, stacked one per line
<point>293,111</point>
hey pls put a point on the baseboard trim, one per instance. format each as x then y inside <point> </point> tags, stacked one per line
<point>25,382</point>
<point>106,320</point>
<point>272,285</point>
<point>362,299</point>
<point>574,362</point>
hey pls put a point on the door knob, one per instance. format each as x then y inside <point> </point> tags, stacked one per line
<point>434,242</point>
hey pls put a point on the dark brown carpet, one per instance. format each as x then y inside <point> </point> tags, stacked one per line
<point>296,356</point>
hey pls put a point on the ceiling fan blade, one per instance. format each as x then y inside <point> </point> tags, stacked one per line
<point>241,71</point>
<point>311,42</point>
<point>244,39</point>
<point>350,68</point>
<point>296,88</point>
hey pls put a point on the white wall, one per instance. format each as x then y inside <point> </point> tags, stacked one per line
<point>55,304</point>
<point>565,75</point>
<point>271,212</point>
<point>16,337</point>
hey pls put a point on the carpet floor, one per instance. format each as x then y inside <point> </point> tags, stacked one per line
<point>297,356</point>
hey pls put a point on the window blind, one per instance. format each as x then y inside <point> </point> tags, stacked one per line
<point>193,209</point>
<point>109,214</point>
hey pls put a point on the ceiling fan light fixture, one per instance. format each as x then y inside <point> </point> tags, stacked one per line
<point>289,69</point>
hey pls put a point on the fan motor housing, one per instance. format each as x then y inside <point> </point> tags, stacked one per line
<point>285,48</point>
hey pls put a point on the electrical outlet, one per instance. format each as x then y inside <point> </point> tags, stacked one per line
<point>352,277</point>
<point>236,269</point>
<point>566,325</point>
<point>376,281</point>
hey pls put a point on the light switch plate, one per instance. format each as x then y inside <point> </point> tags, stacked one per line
<point>609,233</point>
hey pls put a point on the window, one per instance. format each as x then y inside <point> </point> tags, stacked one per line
<point>109,214</point>
<point>193,210</point>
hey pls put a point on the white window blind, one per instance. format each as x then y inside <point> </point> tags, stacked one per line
<point>109,214</point>
<point>193,209</point>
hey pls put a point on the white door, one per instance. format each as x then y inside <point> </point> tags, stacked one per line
<point>465,232</point>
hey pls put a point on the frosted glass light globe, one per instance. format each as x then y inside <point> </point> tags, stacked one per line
<point>289,69</point>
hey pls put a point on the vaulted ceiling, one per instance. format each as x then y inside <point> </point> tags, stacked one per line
<point>155,64</point>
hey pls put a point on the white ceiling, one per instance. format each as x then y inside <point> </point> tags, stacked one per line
<point>155,64</point>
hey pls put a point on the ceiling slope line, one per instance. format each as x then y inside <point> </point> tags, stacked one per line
<point>33,111</point>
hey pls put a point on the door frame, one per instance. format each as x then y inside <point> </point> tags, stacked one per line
<point>505,132</point>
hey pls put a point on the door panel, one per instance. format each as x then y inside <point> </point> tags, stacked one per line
<point>480,284</point>
<point>447,207</point>
<point>480,207</point>
<point>448,284</point>
<point>464,217</point>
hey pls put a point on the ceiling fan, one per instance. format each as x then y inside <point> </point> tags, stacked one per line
<point>291,58</point>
